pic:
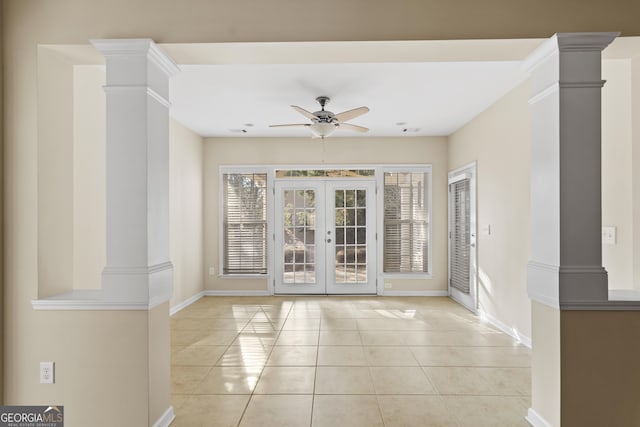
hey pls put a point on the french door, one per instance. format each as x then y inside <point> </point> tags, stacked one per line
<point>462,237</point>
<point>325,237</point>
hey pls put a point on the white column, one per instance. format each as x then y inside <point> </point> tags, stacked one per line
<point>566,269</point>
<point>138,268</point>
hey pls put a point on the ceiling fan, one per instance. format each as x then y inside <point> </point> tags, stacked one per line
<point>324,123</point>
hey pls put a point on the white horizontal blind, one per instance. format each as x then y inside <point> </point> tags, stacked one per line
<point>459,227</point>
<point>406,236</point>
<point>245,223</point>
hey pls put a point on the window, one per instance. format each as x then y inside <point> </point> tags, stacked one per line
<point>406,221</point>
<point>244,223</point>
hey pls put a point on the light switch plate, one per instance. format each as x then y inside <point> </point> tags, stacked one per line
<point>608,235</point>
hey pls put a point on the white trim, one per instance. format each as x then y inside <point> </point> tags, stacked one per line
<point>146,269</point>
<point>165,419</point>
<point>90,300</point>
<point>390,293</point>
<point>543,283</point>
<point>238,293</point>
<point>535,419</point>
<point>512,332</point>
<point>540,54</point>
<point>549,90</point>
<point>186,303</point>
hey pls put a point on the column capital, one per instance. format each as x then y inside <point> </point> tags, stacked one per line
<point>568,42</point>
<point>117,48</point>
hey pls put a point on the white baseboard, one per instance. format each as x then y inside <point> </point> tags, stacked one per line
<point>166,419</point>
<point>535,419</point>
<point>215,293</point>
<point>390,293</point>
<point>186,303</point>
<point>523,339</point>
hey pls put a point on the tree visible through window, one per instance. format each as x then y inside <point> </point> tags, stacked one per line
<point>244,223</point>
<point>406,222</point>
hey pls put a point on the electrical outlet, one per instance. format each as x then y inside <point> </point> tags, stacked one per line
<point>212,271</point>
<point>388,285</point>
<point>46,372</point>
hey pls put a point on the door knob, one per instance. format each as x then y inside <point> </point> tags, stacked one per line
<point>328,240</point>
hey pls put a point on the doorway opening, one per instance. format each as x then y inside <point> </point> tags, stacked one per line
<point>462,237</point>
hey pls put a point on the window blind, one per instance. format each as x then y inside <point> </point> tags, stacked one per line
<point>245,223</point>
<point>406,233</point>
<point>459,228</point>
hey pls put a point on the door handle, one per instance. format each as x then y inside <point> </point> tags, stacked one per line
<point>328,240</point>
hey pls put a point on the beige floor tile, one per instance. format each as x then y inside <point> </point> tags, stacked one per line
<point>229,380</point>
<point>334,337</point>
<point>211,411</point>
<point>343,380</point>
<point>459,380</point>
<point>298,338</point>
<point>186,338</point>
<point>245,355</point>
<point>485,411</point>
<point>278,410</point>
<point>266,327</point>
<point>301,324</point>
<point>443,338</point>
<point>509,381</point>
<point>338,324</point>
<point>390,356</point>
<point>177,400</point>
<point>352,411</point>
<point>286,380</point>
<point>515,356</point>
<point>401,380</point>
<point>218,337</point>
<point>341,356</point>
<point>381,338</point>
<point>300,355</point>
<point>198,355</point>
<point>184,379</point>
<point>446,356</point>
<point>413,411</point>
<point>358,354</point>
<point>265,340</point>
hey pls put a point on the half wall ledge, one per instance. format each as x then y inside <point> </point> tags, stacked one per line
<point>90,300</point>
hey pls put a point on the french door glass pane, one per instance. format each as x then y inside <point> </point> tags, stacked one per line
<point>350,235</point>
<point>299,246</point>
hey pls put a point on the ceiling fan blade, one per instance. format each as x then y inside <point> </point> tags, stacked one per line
<point>290,125</point>
<point>356,128</point>
<point>351,114</point>
<point>304,112</point>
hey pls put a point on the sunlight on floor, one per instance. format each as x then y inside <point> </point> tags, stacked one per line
<point>344,361</point>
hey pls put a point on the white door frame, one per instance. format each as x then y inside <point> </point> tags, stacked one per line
<point>470,301</point>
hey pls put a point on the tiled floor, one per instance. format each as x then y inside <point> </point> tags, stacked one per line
<point>344,362</point>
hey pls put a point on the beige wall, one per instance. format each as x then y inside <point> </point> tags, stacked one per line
<point>186,180</point>
<point>498,139</point>
<point>600,375</point>
<point>545,362</point>
<point>334,151</point>
<point>89,176</point>
<point>617,198</point>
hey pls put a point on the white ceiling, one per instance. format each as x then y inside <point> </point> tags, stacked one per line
<point>432,87</point>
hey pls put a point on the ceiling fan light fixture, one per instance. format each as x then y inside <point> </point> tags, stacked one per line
<point>322,129</point>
